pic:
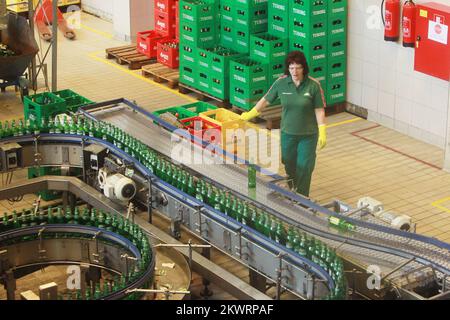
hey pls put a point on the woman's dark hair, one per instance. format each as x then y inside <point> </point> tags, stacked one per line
<point>296,57</point>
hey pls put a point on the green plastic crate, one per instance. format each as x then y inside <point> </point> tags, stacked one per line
<point>251,3</point>
<point>309,29</point>
<point>309,8</point>
<point>241,40</point>
<point>278,18</point>
<point>221,57</point>
<point>220,86</point>
<point>337,6</point>
<point>246,97</point>
<point>42,105</point>
<point>266,48</point>
<point>227,35</point>
<point>248,72</point>
<point>318,71</point>
<point>72,99</point>
<point>226,12</point>
<point>188,54</point>
<point>196,12</point>
<point>314,51</point>
<point>336,92</point>
<point>252,19</point>
<point>275,70</point>
<point>337,25</point>
<point>197,107</point>
<point>337,69</point>
<point>188,75</point>
<point>204,80</point>
<point>181,111</point>
<point>198,35</point>
<point>337,47</point>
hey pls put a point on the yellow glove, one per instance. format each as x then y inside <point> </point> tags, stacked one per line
<point>322,142</point>
<point>249,115</point>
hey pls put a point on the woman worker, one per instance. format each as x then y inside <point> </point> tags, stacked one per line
<point>302,120</point>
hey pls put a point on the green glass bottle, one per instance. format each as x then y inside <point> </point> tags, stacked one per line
<point>68,216</point>
<point>108,222</point>
<point>168,174</point>
<point>50,219</point>
<point>5,222</point>
<point>101,219</point>
<point>51,125</point>
<point>198,193</point>
<point>290,238</point>
<point>93,219</point>
<point>267,225</point>
<point>24,219</point>
<point>59,216</point>
<point>114,223</point>
<point>259,225</point>
<point>239,212</point>
<point>216,202</point>
<point>273,229</point>
<point>15,220</point>
<point>33,218</point>
<point>97,292</point>
<point>191,186</point>
<point>302,248</point>
<point>251,175</point>
<point>76,216</point>
<point>245,219</point>
<point>222,202</point>
<point>228,205</point>
<point>280,234</point>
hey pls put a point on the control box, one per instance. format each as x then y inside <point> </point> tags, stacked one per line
<point>10,156</point>
<point>94,156</point>
<point>432,51</point>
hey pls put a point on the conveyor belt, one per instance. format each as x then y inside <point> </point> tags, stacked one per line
<point>388,247</point>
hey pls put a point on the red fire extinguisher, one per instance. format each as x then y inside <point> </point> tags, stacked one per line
<point>408,23</point>
<point>391,20</point>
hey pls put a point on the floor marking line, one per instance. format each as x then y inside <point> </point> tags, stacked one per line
<point>101,33</point>
<point>331,125</point>
<point>356,134</point>
<point>438,203</point>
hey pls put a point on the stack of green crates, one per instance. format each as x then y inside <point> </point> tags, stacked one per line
<point>309,34</point>
<point>248,82</point>
<point>278,18</point>
<point>250,17</point>
<point>197,30</point>
<point>337,51</point>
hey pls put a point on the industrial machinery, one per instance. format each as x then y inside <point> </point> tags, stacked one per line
<point>284,239</point>
<point>18,37</point>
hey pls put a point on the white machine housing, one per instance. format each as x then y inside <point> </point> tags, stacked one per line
<point>116,186</point>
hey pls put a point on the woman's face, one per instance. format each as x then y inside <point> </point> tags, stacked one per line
<point>296,71</point>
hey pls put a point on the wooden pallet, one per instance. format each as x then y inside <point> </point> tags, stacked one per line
<point>334,109</point>
<point>161,73</point>
<point>203,96</point>
<point>129,55</point>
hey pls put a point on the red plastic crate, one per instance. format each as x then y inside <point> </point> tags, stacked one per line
<point>203,129</point>
<point>165,23</point>
<point>166,6</point>
<point>166,55</point>
<point>147,42</point>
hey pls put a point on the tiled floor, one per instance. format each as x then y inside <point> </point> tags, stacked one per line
<point>361,158</point>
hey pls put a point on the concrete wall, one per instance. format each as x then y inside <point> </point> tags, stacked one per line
<point>381,78</point>
<point>100,8</point>
<point>128,16</point>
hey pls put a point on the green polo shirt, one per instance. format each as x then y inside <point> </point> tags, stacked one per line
<point>298,115</point>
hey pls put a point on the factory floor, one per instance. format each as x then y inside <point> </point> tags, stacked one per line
<point>361,158</point>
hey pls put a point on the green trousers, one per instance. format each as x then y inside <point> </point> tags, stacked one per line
<point>298,154</point>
